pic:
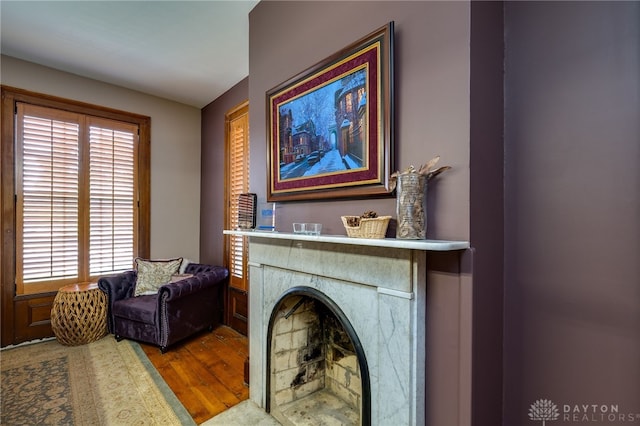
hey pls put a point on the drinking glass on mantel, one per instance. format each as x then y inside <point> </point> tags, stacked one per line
<point>307,228</point>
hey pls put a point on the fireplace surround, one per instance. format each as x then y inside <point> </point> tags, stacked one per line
<point>378,286</point>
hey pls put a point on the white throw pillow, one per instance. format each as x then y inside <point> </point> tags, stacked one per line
<point>185,262</point>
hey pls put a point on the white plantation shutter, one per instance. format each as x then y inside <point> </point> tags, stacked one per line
<point>111,196</point>
<point>48,164</point>
<point>76,200</point>
<point>237,183</point>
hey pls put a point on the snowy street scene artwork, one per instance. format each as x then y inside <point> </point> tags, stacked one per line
<point>329,127</point>
<point>325,130</point>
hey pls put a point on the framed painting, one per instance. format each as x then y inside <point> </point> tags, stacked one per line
<point>330,128</point>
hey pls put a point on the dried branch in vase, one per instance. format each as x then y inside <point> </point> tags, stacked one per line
<point>426,170</point>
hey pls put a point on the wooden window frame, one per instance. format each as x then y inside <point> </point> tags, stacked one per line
<point>10,97</point>
<point>235,282</point>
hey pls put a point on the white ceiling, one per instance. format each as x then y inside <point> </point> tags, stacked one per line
<point>187,51</point>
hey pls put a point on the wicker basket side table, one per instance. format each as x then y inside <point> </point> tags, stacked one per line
<point>79,314</point>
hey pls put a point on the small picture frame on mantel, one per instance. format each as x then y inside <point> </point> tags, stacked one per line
<point>247,210</point>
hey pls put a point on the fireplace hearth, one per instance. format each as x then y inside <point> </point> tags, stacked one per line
<point>304,288</point>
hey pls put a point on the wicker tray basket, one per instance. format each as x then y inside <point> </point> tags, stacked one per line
<point>369,228</point>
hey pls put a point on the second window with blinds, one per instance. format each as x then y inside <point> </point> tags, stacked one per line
<point>236,182</point>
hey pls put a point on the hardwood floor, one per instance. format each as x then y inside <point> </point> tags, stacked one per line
<point>205,372</point>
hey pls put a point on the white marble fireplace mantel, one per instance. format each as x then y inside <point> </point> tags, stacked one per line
<point>426,245</point>
<point>380,285</point>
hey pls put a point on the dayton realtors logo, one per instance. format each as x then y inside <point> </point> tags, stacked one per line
<point>546,410</point>
<point>543,409</point>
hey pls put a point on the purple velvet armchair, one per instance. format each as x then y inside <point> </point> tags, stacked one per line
<point>179,309</point>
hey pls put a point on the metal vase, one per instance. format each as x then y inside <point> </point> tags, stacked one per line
<point>411,206</point>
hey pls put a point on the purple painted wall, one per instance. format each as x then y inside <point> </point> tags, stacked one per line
<point>432,93</point>
<point>487,207</point>
<point>572,210</point>
<point>212,186</point>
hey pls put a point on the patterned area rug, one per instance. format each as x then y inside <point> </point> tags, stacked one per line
<point>102,383</point>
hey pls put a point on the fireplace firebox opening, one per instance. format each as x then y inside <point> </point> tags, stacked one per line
<point>317,369</point>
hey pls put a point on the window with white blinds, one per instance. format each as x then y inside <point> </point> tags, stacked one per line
<point>49,189</point>
<point>76,206</point>
<point>112,207</point>
<point>237,178</point>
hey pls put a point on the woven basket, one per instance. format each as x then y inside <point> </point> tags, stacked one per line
<point>369,228</point>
